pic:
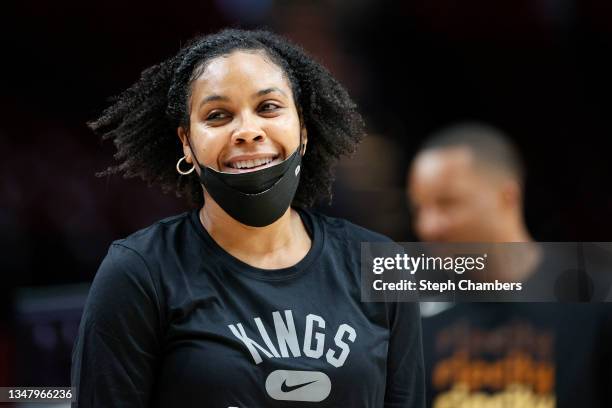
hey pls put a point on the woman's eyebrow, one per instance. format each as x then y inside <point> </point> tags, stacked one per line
<point>215,97</point>
<point>269,90</point>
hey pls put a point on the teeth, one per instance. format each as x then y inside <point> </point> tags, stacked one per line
<point>247,164</point>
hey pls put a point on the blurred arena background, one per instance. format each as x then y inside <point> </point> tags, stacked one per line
<point>537,69</point>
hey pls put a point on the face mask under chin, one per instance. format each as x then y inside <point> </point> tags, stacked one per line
<point>258,181</point>
<point>256,198</point>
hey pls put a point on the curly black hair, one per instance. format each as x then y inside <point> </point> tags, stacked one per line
<point>143,120</point>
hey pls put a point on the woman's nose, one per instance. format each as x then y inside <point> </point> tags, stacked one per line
<point>248,130</point>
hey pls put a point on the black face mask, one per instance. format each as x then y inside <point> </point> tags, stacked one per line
<point>257,198</point>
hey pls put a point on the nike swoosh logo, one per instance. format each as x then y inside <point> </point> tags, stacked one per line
<point>287,388</point>
<point>307,386</point>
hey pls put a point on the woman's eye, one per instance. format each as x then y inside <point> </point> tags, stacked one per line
<point>266,107</point>
<point>216,116</point>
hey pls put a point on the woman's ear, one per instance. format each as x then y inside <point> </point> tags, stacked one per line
<point>303,131</point>
<point>183,136</point>
<point>304,139</point>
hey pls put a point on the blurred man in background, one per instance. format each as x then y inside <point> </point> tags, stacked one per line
<point>466,185</point>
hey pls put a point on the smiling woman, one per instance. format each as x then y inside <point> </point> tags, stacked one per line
<point>251,299</point>
<point>245,121</point>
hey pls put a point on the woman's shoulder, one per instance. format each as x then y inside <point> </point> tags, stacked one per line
<point>157,235</point>
<point>345,229</point>
<point>141,256</point>
<point>150,250</point>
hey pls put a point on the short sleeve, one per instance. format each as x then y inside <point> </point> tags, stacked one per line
<point>405,386</point>
<point>116,352</point>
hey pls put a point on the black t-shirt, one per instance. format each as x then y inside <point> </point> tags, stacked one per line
<point>172,320</point>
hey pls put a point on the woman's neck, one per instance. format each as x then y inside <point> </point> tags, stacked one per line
<point>278,245</point>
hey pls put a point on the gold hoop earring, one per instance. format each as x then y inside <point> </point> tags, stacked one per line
<point>178,167</point>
